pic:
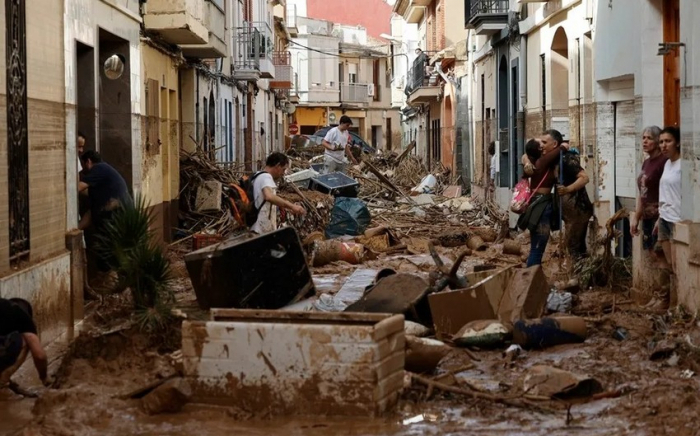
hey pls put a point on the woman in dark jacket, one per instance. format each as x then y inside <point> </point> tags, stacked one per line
<point>540,213</point>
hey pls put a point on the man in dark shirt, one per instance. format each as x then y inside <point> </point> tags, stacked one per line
<point>106,187</point>
<point>18,337</point>
<point>107,192</point>
<point>576,205</point>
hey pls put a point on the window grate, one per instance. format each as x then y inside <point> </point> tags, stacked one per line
<point>17,140</point>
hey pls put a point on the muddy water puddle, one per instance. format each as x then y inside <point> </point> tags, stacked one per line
<point>212,421</point>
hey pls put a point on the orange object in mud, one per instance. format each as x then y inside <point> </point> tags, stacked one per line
<point>326,252</point>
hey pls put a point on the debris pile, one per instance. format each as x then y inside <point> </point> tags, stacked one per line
<point>318,207</point>
<point>201,205</point>
<point>205,208</point>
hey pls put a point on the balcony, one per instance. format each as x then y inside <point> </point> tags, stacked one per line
<point>486,17</point>
<point>422,82</point>
<point>254,45</point>
<point>292,20</point>
<point>355,93</point>
<point>282,60</point>
<point>214,20</point>
<point>411,10</point>
<point>177,22</point>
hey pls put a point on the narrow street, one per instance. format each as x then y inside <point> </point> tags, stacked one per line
<point>647,375</point>
<point>360,217</point>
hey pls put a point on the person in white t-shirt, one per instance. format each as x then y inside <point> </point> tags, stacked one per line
<point>493,167</point>
<point>669,191</point>
<point>265,194</point>
<point>337,145</point>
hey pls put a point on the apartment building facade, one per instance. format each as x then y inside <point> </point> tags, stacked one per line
<point>433,86</point>
<point>532,65</point>
<point>340,70</point>
<point>599,72</point>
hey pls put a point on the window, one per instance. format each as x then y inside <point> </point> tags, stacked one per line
<point>231,151</point>
<point>352,73</point>
<point>17,141</point>
<point>375,78</point>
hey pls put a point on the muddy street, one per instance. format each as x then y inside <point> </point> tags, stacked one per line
<point>640,396</point>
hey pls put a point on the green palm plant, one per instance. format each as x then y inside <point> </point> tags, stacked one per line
<point>138,263</point>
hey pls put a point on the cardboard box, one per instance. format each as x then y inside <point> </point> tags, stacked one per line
<point>507,295</point>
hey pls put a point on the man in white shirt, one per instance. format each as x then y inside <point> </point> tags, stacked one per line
<point>337,147</point>
<point>494,167</point>
<point>265,194</point>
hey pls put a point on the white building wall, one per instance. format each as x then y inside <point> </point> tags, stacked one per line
<point>83,19</point>
<point>405,44</point>
<point>687,234</point>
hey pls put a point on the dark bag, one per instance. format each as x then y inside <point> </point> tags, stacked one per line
<point>242,198</point>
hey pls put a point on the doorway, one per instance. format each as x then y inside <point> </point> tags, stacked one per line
<point>559,63</point>
<point>624,143</point>
<point>115,143</point>
<point>377,137</point>
<point>503,122</point>
<point>85,87</point>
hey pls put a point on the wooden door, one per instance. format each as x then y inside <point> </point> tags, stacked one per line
<point>672,89</point>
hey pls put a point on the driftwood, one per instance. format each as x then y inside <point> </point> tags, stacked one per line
<point>519,401</point>
<point>406,152</point>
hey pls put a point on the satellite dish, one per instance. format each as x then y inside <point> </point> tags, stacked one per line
<point>290,108</point>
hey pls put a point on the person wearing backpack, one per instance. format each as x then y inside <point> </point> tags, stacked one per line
<point>265,198</point>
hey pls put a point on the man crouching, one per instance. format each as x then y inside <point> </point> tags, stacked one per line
<point>18,337</point>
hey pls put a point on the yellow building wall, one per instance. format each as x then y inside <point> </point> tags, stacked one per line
<point>315,116</point>
<point>160,122</point>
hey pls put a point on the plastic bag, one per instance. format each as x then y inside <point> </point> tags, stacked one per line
<point>350,216</point>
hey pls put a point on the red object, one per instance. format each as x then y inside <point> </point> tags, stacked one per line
<point>293,129</point>
<point>201,240</point>
<point>373,15</point>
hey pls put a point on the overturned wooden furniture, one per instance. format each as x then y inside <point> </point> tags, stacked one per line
<point>251,272</point>
<point>296,362</point>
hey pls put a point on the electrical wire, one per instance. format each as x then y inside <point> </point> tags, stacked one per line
<point>338,55</point>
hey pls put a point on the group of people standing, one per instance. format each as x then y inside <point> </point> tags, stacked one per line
<point>658,206</point>
<point>549,162</point>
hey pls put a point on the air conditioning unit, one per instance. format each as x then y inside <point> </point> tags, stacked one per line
<point>370,90</point>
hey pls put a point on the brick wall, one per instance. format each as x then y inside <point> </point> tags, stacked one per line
<point>440,24</point>
<point>431,34</point>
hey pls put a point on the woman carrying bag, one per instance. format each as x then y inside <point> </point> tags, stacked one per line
<point>542,213</point>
